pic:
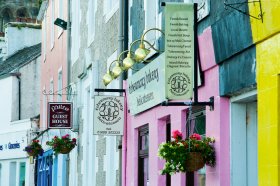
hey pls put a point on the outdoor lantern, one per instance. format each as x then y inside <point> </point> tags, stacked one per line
<point>107,78</point>
<point>128,62</point>
<point>123,65</point>
<point>116,71</point>
<point>141,53</point>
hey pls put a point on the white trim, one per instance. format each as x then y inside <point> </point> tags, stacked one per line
<point>52,24</point>
<point>244,96</point>
<point>108,10</point>
<point>91,20</point>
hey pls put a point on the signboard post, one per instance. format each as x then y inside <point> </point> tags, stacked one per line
<point>60,115</point>
<point>108,115</point>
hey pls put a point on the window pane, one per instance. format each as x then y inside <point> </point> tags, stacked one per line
<point>22,174</point>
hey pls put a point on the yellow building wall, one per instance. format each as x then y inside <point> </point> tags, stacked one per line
<point>266,36</point>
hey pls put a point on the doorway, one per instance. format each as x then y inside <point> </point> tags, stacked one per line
<point>244,140</point>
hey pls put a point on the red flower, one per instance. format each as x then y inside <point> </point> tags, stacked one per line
<point>176,134</point>
<point>195,136</point>
<point>74,139</point>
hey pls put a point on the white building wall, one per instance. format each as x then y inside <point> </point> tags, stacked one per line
<point>6,103</point>
<point>19,38</point>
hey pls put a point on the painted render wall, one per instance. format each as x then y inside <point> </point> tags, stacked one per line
<point>55,59</point>
<point>217,126</point>
<point>97,34</point>
<point>267,39</point>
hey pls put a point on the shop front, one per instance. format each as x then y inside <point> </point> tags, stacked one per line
<point>15,168</point>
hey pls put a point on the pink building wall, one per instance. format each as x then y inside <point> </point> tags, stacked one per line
<point>56,56</point>
<point>217,126</point>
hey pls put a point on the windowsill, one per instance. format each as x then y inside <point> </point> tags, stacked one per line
<point>109,14</point>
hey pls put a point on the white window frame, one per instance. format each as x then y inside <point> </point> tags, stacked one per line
<point>110,8</point>
<point>51,90</point>
<point>60,15</point>
<point>44,109</point>
<point>75,33</point>
<point>59,85</point>
<point>92,8</point>
<point>45,37</point>
<point>52,24</point>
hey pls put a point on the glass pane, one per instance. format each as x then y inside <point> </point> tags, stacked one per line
<point>22,174</point>
<point>144,142</point>
<point>146,171</point>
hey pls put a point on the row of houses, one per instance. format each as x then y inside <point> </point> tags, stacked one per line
<point>238,82</point>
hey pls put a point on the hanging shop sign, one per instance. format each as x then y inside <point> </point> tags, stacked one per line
<point>108,115</point>
<point>60,115</point>
<point>146,87</point>
<point>179,50</point>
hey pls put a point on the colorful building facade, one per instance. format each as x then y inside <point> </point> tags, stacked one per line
<point>266,38</point>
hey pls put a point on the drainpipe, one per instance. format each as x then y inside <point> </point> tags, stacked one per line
<point>68,73</point>
<point>122,45</point>
<point>120,49</point>
<point>17,75</point>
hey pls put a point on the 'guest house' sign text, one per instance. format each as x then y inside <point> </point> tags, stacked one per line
<point>59,115</point>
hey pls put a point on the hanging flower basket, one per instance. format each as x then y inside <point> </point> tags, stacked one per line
<point>65,150</point>
<point>62,145</point>
<point>194,162</point>
<point>187,155</point>
<point>34,149</point>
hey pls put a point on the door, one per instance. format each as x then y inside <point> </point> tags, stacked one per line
<point>244,144</point>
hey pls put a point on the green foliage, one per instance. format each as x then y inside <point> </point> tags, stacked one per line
<point>34,149</point>
<point>176,153</point>
<point>58,144</point>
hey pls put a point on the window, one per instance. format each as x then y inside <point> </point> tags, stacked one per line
<point>22,174</point>
<point>110,7</point>
<point>51,91</point>
<point>91,20</point>
<point>13,173</point>
<point>59,86</point>
<point>44,109</point>
<point>60,15</point>
<point>196,125</point>
<point>45,36</point>
<point>168,138</point>
<point>0,174</point>
<point>143,156</point>
<point>52,25</point>
<point>75,32</point>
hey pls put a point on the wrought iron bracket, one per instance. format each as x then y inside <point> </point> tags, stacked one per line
<point>210,103</point>
<point>235,6</point>
<point>65,91</point>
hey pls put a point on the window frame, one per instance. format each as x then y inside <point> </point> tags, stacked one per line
<point>142,154</point>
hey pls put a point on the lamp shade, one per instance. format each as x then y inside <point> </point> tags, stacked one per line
<point>128,62</point>
<point>116,71</point>
<point>107,78</point>
<point>141,53</point>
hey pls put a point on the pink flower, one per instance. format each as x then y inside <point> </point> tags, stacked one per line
<point>176,134</point>
<point>195,136</point>
<point>74,139</point>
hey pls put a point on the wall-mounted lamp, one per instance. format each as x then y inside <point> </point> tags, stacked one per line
<point>117,69</point>
<point>61,23</point>
<point>131,58</point>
